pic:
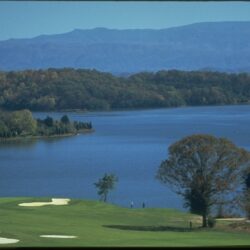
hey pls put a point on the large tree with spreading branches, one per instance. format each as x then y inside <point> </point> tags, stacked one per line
<point>201,168</point>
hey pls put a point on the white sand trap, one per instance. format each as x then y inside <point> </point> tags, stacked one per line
<point>7,241</point>
<point>59,236</point>
<point>55,201</point>
<point>232,219</point>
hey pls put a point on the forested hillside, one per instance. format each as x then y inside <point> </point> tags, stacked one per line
<point>60,89</point>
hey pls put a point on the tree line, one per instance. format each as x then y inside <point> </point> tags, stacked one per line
<point>206,171</point>
<point>21,124</point>
<point>61,89</point>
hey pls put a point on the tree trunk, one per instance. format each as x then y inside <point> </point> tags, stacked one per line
<point>204,220</point>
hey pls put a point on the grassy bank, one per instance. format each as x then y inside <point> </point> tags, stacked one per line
<point>99,224</point>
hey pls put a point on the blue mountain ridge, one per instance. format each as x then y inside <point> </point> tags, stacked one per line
<point>222,46</point>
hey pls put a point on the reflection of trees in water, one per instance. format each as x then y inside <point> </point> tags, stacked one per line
<point>18,143</point>
<point>54,139</point>
<point>30,142</point>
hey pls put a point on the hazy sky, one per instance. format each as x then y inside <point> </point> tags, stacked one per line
<point>28,19</point>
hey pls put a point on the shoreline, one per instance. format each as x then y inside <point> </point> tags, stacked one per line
<point>138,109</point>
<point>84,111</point>
<point>30,137</point>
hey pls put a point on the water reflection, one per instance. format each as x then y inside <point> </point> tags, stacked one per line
<point>31,142</point>
<point>18,143</point>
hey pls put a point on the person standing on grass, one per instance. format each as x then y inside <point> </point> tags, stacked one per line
<point>131,204</point>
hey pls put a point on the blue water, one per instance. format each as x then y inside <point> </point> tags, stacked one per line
<point>130,144</point>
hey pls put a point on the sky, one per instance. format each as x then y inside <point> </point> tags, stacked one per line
<point>26,19</point>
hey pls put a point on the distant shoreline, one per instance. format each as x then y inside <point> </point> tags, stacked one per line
<point>136,109</point>
<point>84,111</point>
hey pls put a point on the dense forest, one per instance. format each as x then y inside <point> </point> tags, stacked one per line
<point>62,89</point>
<point>22,124</point>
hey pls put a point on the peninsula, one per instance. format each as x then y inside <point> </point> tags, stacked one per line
<point>21,124</point>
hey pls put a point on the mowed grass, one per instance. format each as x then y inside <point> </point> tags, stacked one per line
<point>99,224</point>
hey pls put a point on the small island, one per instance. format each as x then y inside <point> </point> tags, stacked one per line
<point>21,124</point>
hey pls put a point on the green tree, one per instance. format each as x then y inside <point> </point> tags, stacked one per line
<point>105,184</point>
<point>3,129</point>
<point>201,168</point>
<point>22,122</point>
<point>48,121</point>
<point>65,119</point>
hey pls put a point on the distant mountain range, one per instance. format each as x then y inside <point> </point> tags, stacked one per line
<point>221,46</point>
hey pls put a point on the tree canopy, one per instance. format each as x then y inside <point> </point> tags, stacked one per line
<point>61,89</point>
<point>201,168</point>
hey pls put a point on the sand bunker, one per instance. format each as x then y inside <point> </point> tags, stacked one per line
<point>55,201</point>
<point>59,236</point>
<point>232,219</point>
<point>7,241</point>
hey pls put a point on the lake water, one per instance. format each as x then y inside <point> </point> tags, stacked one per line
<point>130,144</point>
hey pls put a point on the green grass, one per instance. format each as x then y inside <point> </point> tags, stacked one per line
<point>99,224</point>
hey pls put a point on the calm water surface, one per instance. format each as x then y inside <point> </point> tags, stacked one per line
<point>130,144</point>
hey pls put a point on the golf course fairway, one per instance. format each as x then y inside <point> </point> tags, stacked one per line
<point>94,223</point>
